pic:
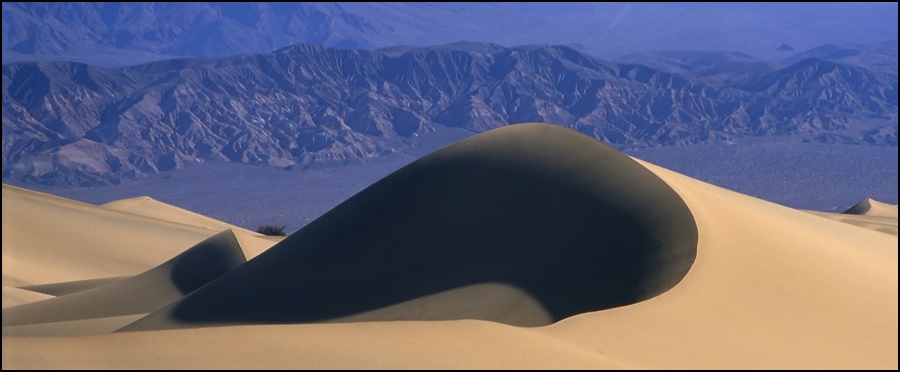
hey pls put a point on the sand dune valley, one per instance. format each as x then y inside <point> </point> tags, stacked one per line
<point>528,246</point>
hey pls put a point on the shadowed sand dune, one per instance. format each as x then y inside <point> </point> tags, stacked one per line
<point>140,294</point>
<point>523,225</point>
<point>770,287</point>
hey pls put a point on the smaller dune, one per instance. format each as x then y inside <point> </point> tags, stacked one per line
<point>252,242</point>
<point>53,240</point>
<point>872,207</point>
<point>140,294</point>
<point>870,214</point>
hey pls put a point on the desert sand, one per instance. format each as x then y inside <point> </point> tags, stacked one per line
<point>529,246</point>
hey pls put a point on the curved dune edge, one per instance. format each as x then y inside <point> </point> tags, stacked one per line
<point>140,294</point>
<point>65,288</point>
<point>560,222</point>
<point>772,287</point>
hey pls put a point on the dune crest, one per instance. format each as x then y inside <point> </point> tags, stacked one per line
<point>252,242</point>
<point>562,223</point>
<point>149,207</point>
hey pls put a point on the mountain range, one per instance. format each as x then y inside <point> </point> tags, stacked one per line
<point>70,123</point>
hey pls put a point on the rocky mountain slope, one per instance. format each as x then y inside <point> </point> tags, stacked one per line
<point>69,123</point>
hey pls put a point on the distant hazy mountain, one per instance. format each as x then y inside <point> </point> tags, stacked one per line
<point>71,123</point>
<point>712,67</point>
<point>122,33</point>
<point>879,57</point>
<point>734,68</point>
<point>785,48</point>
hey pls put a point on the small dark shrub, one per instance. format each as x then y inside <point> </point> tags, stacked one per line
<point>271,230</point>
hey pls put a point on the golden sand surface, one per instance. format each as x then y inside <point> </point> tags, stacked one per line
<point>530,246</point>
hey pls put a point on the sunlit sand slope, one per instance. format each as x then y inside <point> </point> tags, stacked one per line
<point>53,240</point>
<point>149,207</point>
<point>772,287</point>
<point>16,296</point>
<point>47,239</point>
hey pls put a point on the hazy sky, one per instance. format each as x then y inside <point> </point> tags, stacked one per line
<point>613,29</point>
<point>605,30</point>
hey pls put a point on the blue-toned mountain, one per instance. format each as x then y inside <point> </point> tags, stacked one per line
<point>307,105</point>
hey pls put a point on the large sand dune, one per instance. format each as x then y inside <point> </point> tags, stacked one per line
<point>525,225</point>
<point>609,261</point>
